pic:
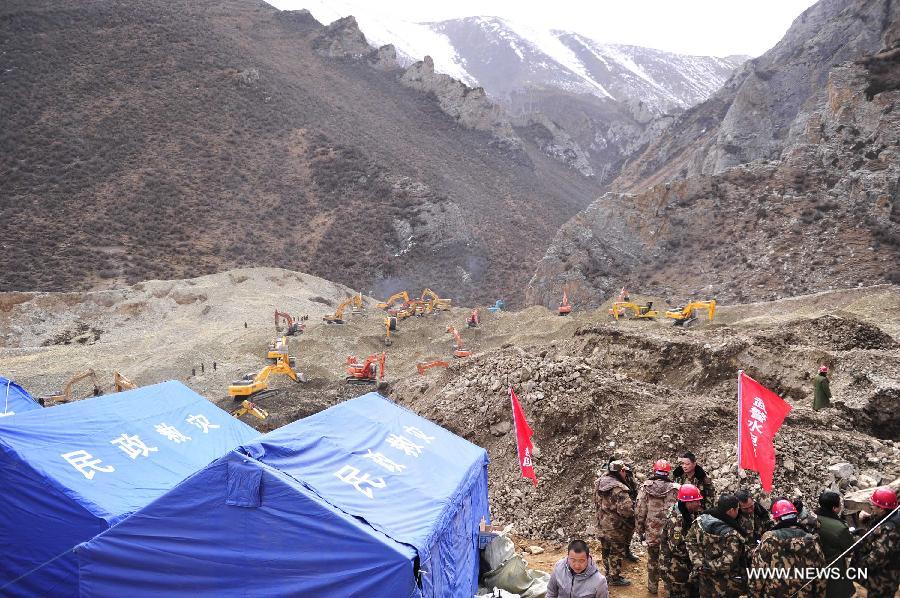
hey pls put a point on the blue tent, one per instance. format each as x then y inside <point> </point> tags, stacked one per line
<point>14,399</point>
<point>362,499</point>
<point>71,471</point>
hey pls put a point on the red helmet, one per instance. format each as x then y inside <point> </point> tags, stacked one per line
<point>689,493</point>
<point>884,498</point>
<point>662,466</point>
<point>783,507</point>
<point>823,369</point>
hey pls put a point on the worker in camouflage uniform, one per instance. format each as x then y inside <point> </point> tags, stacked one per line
<point>787,546</point>
<point>675,563</point>
<point>655,497</point>
<point>689,472</point>
<point>615,518</point>
<point>879,553</point>
<point>753,517</point>
<point>633,493</point>
<point>821,390</point>
<point>718,551</point>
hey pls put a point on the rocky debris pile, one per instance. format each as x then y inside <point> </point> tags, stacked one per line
<point>610,393</point>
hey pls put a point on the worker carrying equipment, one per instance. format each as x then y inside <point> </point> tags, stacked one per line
<point>257,385</point>
<point>369,371</point>
<point>459,351</point>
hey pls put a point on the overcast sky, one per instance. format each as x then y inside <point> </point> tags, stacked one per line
<point>705,27</point>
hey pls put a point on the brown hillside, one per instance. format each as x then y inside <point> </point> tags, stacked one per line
<point>172,139</point>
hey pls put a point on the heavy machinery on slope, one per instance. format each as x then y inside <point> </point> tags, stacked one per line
<point>565,308</point>
<point>121,383</point>
<point>257,385</point>
<point>390,325</point>
<point>252,408</point>
<point>632,310</point>
<point>277,348</point>
<point>422,367</point>
<point>497,306</point>
<point>430,302</point>
<point>66,394</point>
<point>472,322</point>
<point>371,370</point>
<point>402,297</point>
<point>685,316</point>
<point>458,351</point>
<point>292,326</point>
<point>338,316</point>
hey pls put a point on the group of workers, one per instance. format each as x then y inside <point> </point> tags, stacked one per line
<point>701,545</point>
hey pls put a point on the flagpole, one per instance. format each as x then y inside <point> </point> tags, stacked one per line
<point>740,410</point>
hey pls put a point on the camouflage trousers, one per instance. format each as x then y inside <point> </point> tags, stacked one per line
<point>714,585</point>
<point>613,550</point>
<point>883,584</point>
<point>653,566</point>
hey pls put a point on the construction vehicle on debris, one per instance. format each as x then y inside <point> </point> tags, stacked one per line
<point>412,308</point>
<point>685,316</point>
<point>497,306</point>
<point>458,351</point>
<point>390,325</point>
<point>66,394</point>
<point>472,322</point>
<point>277,348</point>
<point>371,370</point>
<point>430,302</point>
<point>565,308</point>
<point>121,383</point>
<point>632,310</point>
<point>355,304</point>
<point>257,385</point>
<point>402,297</point>
<point>293,326</point>
<point>422,367</point>
<point>252,408</point>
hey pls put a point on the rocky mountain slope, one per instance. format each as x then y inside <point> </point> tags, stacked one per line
<point>591,388</point>
<point>179,138</point>
<point>814,202</point>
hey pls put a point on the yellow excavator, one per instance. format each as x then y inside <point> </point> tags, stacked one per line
<point>257,385</point>
<point>685,316</point>
<point>66,395</point>
<point>390,325</point>
<point>251,408</point>
<point>402,296</point>
<point>430,302</point>
<point>277,347</point>
<point>629,309</point>
<point>409,309</point>
<point>122,383</point>
<point>338,316</point>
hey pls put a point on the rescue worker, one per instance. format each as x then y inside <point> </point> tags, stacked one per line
<point>688,472</point>
<point>753,517</point>
<point>675,563</point>
<point>717,547</point>
<point>655,497</point>
<point>615,518</point>
<point>789,547</point>
<point>576,575</point>
<point>835,538</point>
<point>633,493</point>
<point>879,553</point>
<point>821,390</point>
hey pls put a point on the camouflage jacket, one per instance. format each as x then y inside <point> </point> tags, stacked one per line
<point>718,550</point>
<point>756,523</point>
<point>675,562</point>
<point>655,498</point>
<point>615,510</point>
<point>788,548</point>
<point>879,554</point>
<point>706,486</point>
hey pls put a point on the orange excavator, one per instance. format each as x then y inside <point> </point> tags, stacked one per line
<point>459,351</point>
<point>66,395</point>
<point>121,383</point>
<point>293,326</point>
<point>402,297</point>
<point>371,370</point>
<point>390,325</point>
<point>472,322</point>
<point>565,308</point>
<point>257,385</point>
<point>338,316</point>
<point>422,367</point>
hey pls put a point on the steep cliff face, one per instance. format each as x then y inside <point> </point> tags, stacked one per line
<point>825,214</point>
<point>751,117</point>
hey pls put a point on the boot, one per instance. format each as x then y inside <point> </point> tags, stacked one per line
<point>618,580</point>
<point>630,556</point>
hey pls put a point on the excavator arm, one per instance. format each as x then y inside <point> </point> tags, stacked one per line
<point>338,316</point>
<point>122,383</point>
<point>686,314</point>
<point>66,395</point>
<point>459,351</point>
<point>401,296</point>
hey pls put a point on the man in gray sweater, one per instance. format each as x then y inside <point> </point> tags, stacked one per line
<point>576,575</point>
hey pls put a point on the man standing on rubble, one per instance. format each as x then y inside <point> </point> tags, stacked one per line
<point>675,563</point>
<point>718,550</point>
<point>753,517</point>
<point>821,390</point>
<point>655,498</point>
<point>689,472</point>
<point>615,519</point>
<point>879,553</point>
<point>576,575</point>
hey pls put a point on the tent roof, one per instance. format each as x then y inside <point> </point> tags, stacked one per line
<point>14,399</point>
<point>380,462</point>
<point>114,454</point>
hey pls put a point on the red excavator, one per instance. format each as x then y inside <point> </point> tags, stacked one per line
<point>459,351</point>
<point>472,322</point>
<point>369,371</point>
<point>293,326</point>
<point>565,308</point>
<point>432,364</point>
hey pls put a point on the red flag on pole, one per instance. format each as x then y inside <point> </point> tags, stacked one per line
<point>523,438</point>
<point>760,415</point>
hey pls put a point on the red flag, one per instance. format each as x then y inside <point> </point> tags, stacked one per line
<point>523,438</point>
<point>760,413</point>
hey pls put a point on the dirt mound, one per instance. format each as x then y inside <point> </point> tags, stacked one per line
<point>835,333</point>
